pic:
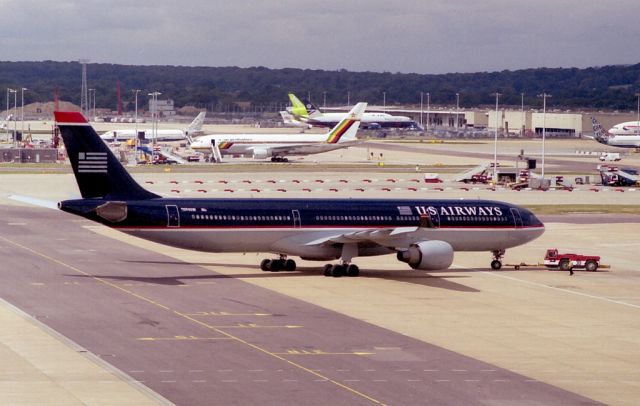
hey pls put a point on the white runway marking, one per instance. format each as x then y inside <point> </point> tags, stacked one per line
<point>603,298</point>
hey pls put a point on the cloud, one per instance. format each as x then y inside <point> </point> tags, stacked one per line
<point>375,35</point>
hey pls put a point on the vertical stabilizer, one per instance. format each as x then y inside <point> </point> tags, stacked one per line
<point>600,134</point>
<point>196,124</point>
<point>347,128</point>
<point>298,108</point>
<point>97,171</point>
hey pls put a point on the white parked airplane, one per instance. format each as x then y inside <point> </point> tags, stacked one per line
<point>620,139</point>
<point>193,129</point>
<point>277,146</point>
<point>311,115</point>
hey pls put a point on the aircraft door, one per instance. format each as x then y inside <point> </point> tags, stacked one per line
<point>173,216</point>
<point>428,220</point>
<point>297,223</point>
<point>517,219</point>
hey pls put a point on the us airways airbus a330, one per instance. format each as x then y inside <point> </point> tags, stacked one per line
<point>423,233</point>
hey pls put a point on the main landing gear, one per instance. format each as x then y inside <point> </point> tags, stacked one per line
<point>344,268</point>
<point>496,264</point>
<point>278,264</point>
<point>339,270</point>
<point>279,159</point>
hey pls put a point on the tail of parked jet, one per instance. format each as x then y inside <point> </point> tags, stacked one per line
<point>5,122</point>
<point>347,128</point>
<point>599,134</point>
<point>298,108</point>
<point>196,124</point>
<point>97,171</point>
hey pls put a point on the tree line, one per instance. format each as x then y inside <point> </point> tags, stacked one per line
<point>258,88</point>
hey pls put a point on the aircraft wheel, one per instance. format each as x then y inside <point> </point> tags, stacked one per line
<point>273,159</point>
<point>328,268</point>
<point>265,265</point>
<point>338,271</point>
<point>285,159</point>
<point>591,266</point>
<point>496,265</point>
<point>277,265</point>
<point>290,265</point>
<point>353,270</point>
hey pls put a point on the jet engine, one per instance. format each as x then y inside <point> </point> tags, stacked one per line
<point>261,153</point>
<point>428,255</point>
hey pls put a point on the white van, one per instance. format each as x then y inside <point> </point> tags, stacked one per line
<point>610,157</point>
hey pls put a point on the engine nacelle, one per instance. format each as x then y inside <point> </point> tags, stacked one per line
<point>261,153</point>
<point>428,255</point>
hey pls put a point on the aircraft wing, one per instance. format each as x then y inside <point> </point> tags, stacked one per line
<point>388,237</point>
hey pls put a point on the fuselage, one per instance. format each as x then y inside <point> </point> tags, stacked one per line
<point>290,144</point>
<point>623,141</point>
<point>383,120</point>
<point>129,134</point>
<point>299,226</point>
<point>626,128</point>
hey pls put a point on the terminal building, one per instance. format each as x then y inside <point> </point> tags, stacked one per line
<point>527,123</point>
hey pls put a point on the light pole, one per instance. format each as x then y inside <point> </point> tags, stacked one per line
<point>22,108</point>
<point>154,114</point>
<point>495,145</point>
<point>135,122</point>
<point>348,98</point>
<point>522,113</point>
<point>457,108</point>
<point>384,101</point>
<point>91,93</point>
<point>638,123</point>
<point>428,100</point>
<point>544,126</point>
<point>324,99</point>
<point>15,121</point>
<point>7,117</point>
<point>421,97</point>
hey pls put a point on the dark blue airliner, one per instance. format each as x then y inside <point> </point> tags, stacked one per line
<point>423,233</point>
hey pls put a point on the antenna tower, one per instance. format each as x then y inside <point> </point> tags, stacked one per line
<point>84,98</point>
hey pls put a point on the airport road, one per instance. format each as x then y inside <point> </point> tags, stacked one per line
<point>200,337</point>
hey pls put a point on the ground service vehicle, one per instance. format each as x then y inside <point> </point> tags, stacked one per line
<point>566,262</point>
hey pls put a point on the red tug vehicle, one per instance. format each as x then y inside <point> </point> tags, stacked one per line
<point>566,262</point>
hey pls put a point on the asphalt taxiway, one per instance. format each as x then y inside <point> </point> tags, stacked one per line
<point>195,336</point>
<point>91,316</point>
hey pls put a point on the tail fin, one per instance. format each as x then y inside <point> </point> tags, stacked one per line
<point>298,108</point>
<point>312,109</point>
<point>196,124</point>
<point>5,123</point>
<point>97,171</point>
<point>599,134</point>
<point>347,128</point>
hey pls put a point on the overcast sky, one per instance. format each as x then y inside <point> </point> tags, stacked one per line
<point>419,36</point>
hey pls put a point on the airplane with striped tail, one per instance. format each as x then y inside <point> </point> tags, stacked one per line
<point>423,233</point>
<point>278,146</point>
